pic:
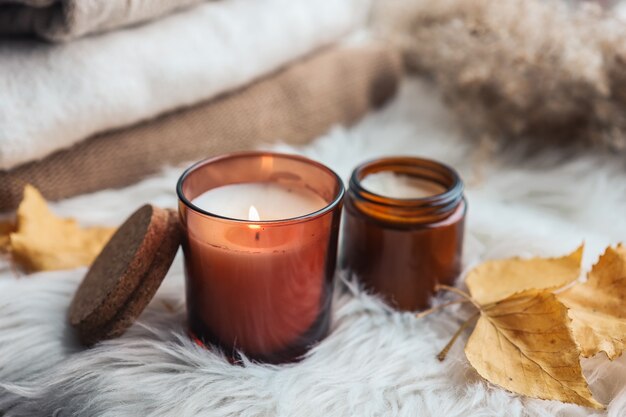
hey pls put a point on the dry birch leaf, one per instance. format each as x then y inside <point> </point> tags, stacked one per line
<point>495,280</point>
<point>523,340</point>
<point>597,306</point>
<point>43,241</point>
<point>524,344</point>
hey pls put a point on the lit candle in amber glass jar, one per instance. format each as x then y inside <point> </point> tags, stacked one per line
<point>260,249</point>
<point>403,228</point>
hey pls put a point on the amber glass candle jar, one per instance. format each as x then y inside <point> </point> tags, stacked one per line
<point>402,247</point>
<point>262,287</point>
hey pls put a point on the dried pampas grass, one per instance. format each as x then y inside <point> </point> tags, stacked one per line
<point>536,69</point>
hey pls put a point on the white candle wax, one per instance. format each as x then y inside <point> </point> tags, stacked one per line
<point>270,200</point>
<point>390,184</point>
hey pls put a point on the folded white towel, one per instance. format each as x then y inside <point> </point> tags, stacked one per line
<point>52,96</point>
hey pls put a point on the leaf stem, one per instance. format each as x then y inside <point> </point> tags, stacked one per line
<point>457,291</point>
<point>439,307</point>
<point>444,352</point>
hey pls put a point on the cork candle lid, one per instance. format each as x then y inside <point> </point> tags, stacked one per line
<point>126,275</point>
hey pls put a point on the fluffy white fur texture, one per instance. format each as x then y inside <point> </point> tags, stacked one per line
<point>376,362</point>
<point>53,96</point>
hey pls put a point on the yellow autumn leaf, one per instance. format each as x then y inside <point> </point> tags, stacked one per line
<point>44,241</point>
<point>523,343</point>
<point>597,307</point>
<point>495,280</point>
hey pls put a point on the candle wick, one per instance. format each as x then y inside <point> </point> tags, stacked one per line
<point>257,236</point>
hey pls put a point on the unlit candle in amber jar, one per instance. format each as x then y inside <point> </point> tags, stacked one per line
<point>403,228</point>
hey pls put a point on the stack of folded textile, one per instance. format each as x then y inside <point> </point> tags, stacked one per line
<point>109,97</point>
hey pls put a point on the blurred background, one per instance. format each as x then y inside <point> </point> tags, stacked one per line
<point>100,94</point>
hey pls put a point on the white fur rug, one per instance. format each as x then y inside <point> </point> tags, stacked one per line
<point>376,362</point>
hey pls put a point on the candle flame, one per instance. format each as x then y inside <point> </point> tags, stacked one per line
<point>253,215</point>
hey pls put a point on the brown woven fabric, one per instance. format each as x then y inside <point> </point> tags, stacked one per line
<point>294,105</point>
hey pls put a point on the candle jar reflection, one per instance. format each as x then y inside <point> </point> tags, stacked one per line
<point>260,287</point>
<point>401,248</point>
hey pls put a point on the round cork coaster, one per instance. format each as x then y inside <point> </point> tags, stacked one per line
<point>126,275</point>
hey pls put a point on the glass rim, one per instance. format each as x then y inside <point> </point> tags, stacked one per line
<point>337,199</point>
<point>451,195</point>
